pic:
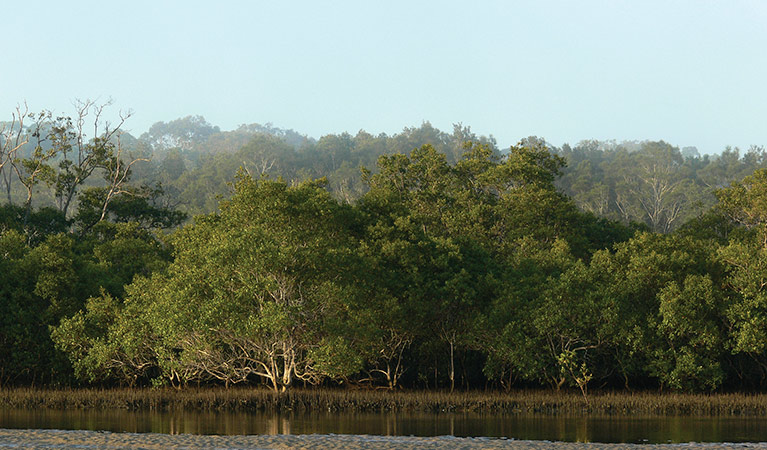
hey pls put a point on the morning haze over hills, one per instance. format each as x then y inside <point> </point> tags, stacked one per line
<point>193,163</point>
<point>613,179</point>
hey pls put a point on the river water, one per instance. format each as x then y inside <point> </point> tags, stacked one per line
<point>612,429</point>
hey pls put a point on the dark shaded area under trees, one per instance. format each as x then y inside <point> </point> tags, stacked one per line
<point>421,260</point>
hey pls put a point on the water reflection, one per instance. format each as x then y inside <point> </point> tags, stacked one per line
<point>534,427</point>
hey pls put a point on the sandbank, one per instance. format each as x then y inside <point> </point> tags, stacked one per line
<point>62,439</point>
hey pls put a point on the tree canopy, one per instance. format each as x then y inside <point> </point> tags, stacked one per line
<point>422,259</point>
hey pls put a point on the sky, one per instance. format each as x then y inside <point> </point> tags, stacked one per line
<point>690,72</point>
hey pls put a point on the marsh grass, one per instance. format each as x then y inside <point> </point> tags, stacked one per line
<point>306,400</point>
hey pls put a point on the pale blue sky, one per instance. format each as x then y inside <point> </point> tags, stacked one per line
<point>689,72</point>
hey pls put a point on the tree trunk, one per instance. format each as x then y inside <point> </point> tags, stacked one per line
<point>7,181</point>
<point>452,366</point>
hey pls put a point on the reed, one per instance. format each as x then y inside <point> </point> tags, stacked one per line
<point>303,400</point>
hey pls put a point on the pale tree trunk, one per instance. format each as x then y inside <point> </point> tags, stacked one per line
<point>14,137</point>
<point>119,174</point>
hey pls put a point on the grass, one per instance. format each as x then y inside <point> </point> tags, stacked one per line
<point>519,402</point>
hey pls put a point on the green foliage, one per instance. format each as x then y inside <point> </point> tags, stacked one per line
<point>445,259</point>
<point>745,202</point>
<point>250,293</point>
<point>47,282</point>
<point>137,206</point>
<point>747,264</point>
<point>39,223</point>
<point>691,320</point>
<point>650,182</point>
<point>38,286</point>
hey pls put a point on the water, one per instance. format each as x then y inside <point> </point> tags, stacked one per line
<point>527,427</point>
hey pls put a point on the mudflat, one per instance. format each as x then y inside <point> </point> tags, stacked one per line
<point>58,439</point>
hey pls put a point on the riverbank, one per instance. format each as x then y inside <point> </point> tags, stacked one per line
<point>255,399</point>
<point>44,439</point>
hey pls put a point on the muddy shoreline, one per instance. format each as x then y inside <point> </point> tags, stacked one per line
<point>62,439</point>
<point>346,400</point>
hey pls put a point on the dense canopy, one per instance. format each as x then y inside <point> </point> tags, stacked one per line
<point>422,260</point>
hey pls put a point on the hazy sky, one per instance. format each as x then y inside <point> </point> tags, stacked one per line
<point>689,72</point>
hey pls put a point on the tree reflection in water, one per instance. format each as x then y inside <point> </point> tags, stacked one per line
<point>525,427</point>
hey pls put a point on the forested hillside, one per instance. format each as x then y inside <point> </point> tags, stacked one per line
<point>188,164</point>
<point>652,183</point>
<point>424,259</point>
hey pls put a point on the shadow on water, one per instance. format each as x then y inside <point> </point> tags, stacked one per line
<point>527,427</point>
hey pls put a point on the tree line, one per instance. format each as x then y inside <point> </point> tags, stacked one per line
<point>445,270</point>
<point>187,165</point>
